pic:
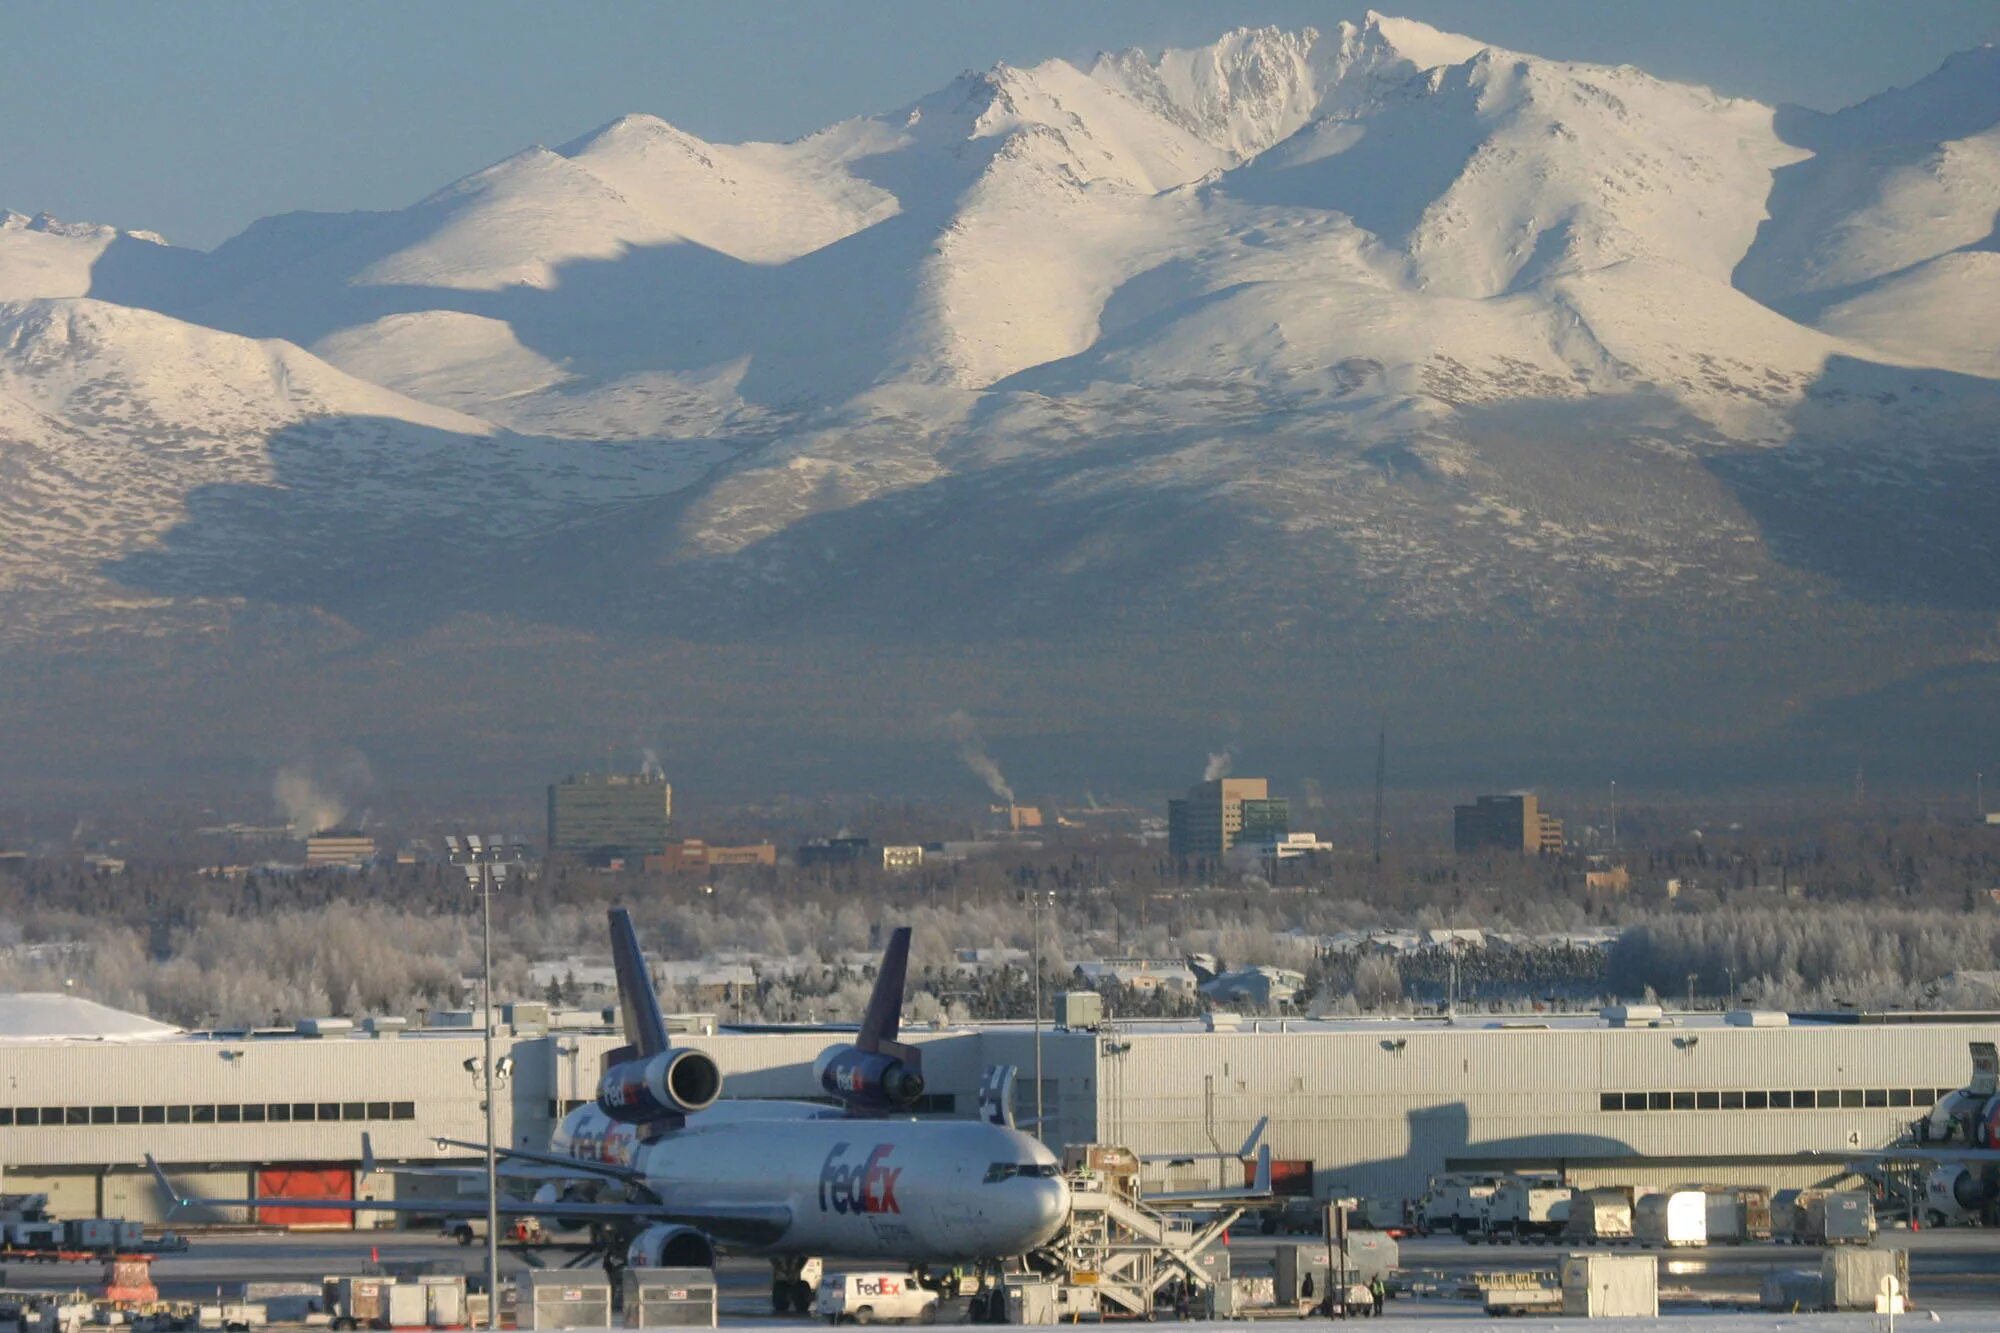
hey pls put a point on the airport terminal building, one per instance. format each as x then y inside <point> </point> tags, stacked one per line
<point>1371,1107</point>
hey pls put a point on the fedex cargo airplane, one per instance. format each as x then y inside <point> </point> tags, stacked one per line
<point>1959,1145</point>
<point>665,1171</point>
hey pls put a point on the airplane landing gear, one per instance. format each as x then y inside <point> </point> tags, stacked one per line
<point>794,1280</point>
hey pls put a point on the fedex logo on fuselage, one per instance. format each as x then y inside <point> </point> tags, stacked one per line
<point>596,1138</point>
<point>864,1186</point>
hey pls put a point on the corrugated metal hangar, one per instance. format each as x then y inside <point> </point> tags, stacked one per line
<point>1375,1106</point>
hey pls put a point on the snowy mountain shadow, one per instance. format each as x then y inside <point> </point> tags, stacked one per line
<point>387,524</point>
<point>1890,485</point>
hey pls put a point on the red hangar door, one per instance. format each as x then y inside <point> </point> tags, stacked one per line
<point>306,1182</point>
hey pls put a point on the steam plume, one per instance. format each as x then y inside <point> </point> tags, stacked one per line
<point>308,807</point>
<point>319,795</point>
<point>651,765</point>
<point>972,750</point>
<point>1219,764</point>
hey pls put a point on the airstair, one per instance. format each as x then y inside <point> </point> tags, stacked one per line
<point>1127,1251</point>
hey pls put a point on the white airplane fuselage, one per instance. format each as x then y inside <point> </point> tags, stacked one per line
<point>919,1191</point>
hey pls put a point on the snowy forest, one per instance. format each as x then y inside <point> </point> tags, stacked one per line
<point>1892,915</point>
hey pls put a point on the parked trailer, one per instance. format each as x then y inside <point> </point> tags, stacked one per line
<point>1527,1209</point>
<point>1737,1215</point>
<point>1600,1216</point>
<point>1457,1205</point>
<point>1671,1220</point>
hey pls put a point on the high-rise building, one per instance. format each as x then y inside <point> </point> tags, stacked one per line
<point>1214,816</point>
<point>610,817</point>
<point>1514,822</point>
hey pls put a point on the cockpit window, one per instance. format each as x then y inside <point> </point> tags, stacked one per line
<point>1034,1170</point>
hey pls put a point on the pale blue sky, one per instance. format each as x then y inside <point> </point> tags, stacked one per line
<point>195,118</point>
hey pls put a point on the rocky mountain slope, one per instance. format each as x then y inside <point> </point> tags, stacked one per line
<point>1378,337</point>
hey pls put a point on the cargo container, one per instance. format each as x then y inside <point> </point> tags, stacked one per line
<point>1851,1279</point>
<point>96,1234</point>
<point>1671,1220</point>
<point>409,1306</point>
<point>357,1302</point>
<point>1600,1216</point>
<point>1842,1217</point>
<point>444,1299</point>
<point>1611,1286</point>
<point>1370,1254</point>
<point>563,1300</point>
<point>669,1298</point>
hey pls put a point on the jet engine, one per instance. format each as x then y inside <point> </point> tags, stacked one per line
<point>638,1092</point>
<point>668,1246</point>
<point>869,1080</point>
<point>1953,1191</point>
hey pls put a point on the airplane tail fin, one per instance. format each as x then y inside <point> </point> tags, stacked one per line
<point>996,1095</point>
<point>1985,1070</point>
<point>638,1002</point>
<point>882,1023</point>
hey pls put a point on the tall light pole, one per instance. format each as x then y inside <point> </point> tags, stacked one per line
<point>486,862</point>
<point>1037,901</point>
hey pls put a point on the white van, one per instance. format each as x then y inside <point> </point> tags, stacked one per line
<point>864,1298</point>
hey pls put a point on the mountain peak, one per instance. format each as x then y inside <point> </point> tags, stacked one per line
<point>1419,43</point>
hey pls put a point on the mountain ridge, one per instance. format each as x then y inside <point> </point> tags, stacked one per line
<point>1341,336</point>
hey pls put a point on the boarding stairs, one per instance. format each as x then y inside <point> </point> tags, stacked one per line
<point>1128,1251</point>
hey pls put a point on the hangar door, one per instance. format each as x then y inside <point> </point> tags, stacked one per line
<point>306,1182</point>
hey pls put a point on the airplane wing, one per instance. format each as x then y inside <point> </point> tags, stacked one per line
<point>553,1166</point>
<point>1918,1155</point>
<point>517,1164</point>
<point>1258,1191</point>
<point>753,1224</point>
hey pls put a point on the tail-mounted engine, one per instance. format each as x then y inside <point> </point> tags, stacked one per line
<point>870,1080</point>
<point>672,1083</point>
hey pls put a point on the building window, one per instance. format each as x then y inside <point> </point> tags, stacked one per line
<point>278,1112</point>
<point>1757,1101</point>
<point>75,1115</point>
<point>1732,1101</point>
<point>253,1113</point>
<point>302,1110</point>
<point>128,1115</point>
<point>1610,1101</point>
<point>179,1115</point>
<point>378,1110</point>
<point>6,1116</point>
<point>229,1113</point>
<point>1875,1097</point>
<point>204,1115</point>
<point>403,1111</point>
<point>1850,1099</point>
<point>152,1115</point>
<point>354,1111</point>
<point>1683,1101</point>
<point>1899,1097</point>
<point>329,1110</point>
<point>1781,1100</point>
<point>1659,1101</point>
<point>1707,1101</point>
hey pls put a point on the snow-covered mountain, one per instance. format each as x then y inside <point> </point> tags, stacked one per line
<point>1372,327</point>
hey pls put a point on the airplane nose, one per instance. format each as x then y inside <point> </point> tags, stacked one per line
<point>1047,1207</point>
